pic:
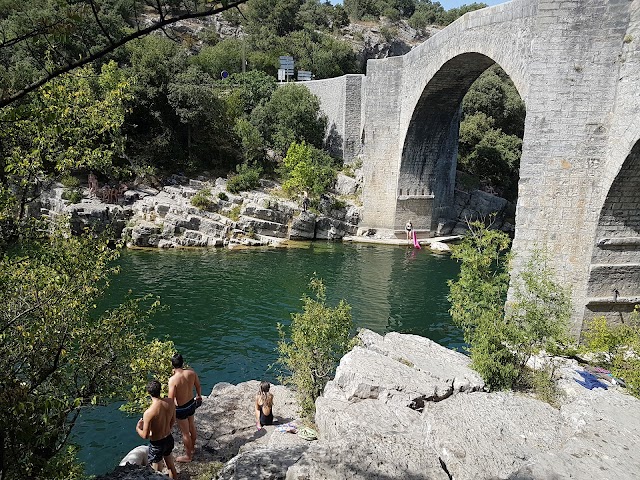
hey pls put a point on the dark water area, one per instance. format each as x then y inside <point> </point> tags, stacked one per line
<point>223,308</point>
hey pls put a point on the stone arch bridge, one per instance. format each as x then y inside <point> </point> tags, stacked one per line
<point>576,65</point>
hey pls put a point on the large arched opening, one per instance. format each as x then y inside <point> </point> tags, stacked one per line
<point>614,276</point>
<point>435,141</point>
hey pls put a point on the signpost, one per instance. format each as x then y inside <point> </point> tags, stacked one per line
<point>286,64</point>
<point>304,75</point>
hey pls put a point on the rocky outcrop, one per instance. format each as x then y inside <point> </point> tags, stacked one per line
<point>371,425</point>
<point>166,218</point>
<point>404,407</point>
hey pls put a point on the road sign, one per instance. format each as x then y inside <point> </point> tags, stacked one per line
<point>304,76</point>
<point>286,63</point>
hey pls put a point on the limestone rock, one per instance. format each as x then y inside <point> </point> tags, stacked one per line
<point>439,247</point>
<point>492,435</point>
<point>427,356</point>
<point>303,227</point>
<point>333,229</point>
<point>346,185</point>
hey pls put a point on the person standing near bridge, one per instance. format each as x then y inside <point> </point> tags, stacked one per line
<point>409,229</point>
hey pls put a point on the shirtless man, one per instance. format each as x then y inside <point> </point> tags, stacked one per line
<point>156,425</point>
<point>181,385</point>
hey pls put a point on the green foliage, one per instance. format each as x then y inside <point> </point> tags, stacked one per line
<point>277,16</point>
<point>616,347</point>
<point>234,214</point>
<point>225,55</point>
<point>491,132</point>
<point>72,194</point>
<point>253,144</point>
<point>247,178</point>
<point>320,53</point>
<point>317,339</point>
<point>501,344</point>
<point>223,196</point>
<point>58,353</point>
<point>539,311</point>
<point>543,384</point>
<point>69,181</point>
<point>153,361</point>
<point>292,114</point>
<point>207,470</point>
<point>248,89</point>
<point>389,33</point>
<point>202,199</point>
<point>71,123</point>
<point>305,168</point>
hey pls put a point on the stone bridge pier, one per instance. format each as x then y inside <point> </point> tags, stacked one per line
<point>576,65</point>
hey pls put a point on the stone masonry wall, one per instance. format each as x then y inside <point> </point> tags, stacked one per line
<point>340,100</point>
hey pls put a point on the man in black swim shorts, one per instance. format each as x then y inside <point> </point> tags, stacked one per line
<point>156,425</point>
<point>181,386</point>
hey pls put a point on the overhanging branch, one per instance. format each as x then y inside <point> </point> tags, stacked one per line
<point>110,48</point>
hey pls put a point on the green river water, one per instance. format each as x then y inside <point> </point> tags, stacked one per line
<point>224,306</point>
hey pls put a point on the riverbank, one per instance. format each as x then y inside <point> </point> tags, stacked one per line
<point>201,213</point>
<point>402,406</point>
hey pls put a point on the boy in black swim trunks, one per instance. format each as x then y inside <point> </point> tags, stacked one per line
<point>156,425</point>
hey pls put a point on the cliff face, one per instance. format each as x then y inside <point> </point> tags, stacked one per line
<point>403,407</point>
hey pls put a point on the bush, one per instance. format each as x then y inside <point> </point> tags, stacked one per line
<point>70,181</point>
<point>201,199</point>
<point>223,196</point>
<point>616,348</point>
<point>234,213</point>
<point>318,338</point>
<point>73,195</point>
<point>247,178</point>
<point>307,168</point>
<point>501,343</point>
<point>292,114</point>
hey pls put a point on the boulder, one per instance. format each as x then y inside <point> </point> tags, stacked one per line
<point>346,185</point>
<point>440,247</point>
<point>333,229</point>
<point>303,227</point>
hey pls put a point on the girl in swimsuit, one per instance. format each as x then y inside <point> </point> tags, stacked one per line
<point>264,404</point>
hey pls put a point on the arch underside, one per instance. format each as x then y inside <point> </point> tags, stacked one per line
<point>426,179</point>
<point>614,278</point>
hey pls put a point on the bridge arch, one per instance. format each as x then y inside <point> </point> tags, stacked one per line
<point>427,169</point>
<point>614,274</point>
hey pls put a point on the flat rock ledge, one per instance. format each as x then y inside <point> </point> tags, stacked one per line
<point>404,407</point>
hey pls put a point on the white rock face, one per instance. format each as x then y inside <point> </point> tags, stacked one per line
<point>403,407</point>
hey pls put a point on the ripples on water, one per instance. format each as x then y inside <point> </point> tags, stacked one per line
<point>224,306</point>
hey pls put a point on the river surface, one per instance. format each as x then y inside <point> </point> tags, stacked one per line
<point>224,306</point>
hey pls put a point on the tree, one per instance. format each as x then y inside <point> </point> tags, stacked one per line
<point>72,123</point>
<point>318,338</point>
<point>43,39</point>
<point>58,352</point>
<point>540,309</point>
<point>208,137</point>
<point>502,341</point>
<point>320,53</point>
<point>491,132</point>
<point>278,16</point>
<point>477,303</point>
<point>292,114</point>
<point>306,168</point>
